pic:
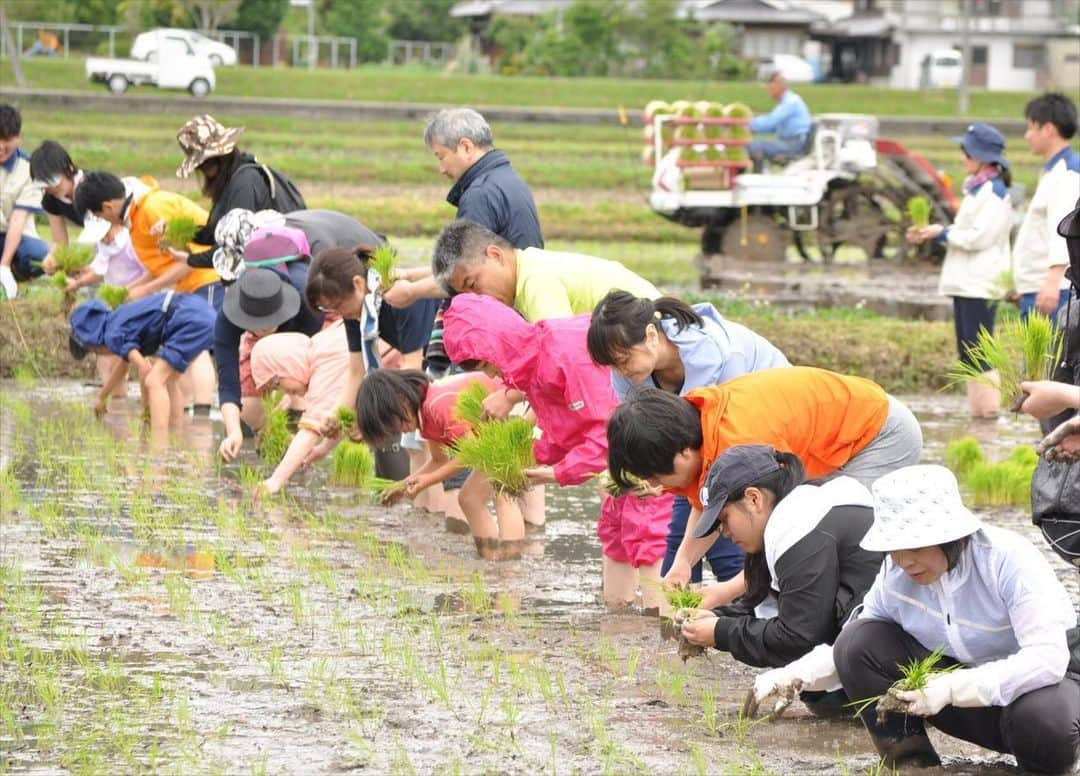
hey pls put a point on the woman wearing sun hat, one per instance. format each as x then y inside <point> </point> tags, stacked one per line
<point>231,178</point>
<point>988,600</point>
<point>976,249</point>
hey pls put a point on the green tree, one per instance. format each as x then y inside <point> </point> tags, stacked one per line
<point>424,20</point>
<point>360,19</point>
<point>263,17</point>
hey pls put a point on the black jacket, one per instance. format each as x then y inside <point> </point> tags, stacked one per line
<point>822,575</point>
<point>491,194</point>
<point>248,188</point>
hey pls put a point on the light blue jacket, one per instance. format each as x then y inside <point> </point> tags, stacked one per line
<point>718,351</point>
<point>789,119</point>
<point>1001,610</point>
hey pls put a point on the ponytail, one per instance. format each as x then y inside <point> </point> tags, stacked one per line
<point>620,319</point>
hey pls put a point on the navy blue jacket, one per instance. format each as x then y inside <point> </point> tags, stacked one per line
<point>491,194</point>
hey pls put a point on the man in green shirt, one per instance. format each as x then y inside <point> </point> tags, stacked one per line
<point>539,284</point>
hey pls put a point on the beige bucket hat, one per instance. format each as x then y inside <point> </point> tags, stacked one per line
<point>202,138</point>
<point>917,506</point>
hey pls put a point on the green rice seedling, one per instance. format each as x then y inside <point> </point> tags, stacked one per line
<point>59,280</point>
<point>914,675</point>
<point>274,437</point>
<point>1018,351</point>
<point>346,418</point>
<point>180,231</point>
<point>1000,484</point>
<point>113,296</point>
<point>384,261</point>
<point>1004,284</point>
<point>679,597</point>
<point>72,257</point>
<point>963,454</point>
<point>470,403</point>
<point>501,450</point>
<point>1024,455</point>
<point>918,210</point>
<point>353,463</point>
<point>738,110</point>
<point>384,489</point>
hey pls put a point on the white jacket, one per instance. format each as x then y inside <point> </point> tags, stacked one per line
<point>978,244</point>
<point>1038,245</point>
<point>1000,611</point>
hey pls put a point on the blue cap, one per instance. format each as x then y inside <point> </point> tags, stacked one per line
<point>88,326</point>
<point>983,143</point>
<point>732,471</point>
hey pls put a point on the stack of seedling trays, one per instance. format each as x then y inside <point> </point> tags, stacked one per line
<point>711,139</point>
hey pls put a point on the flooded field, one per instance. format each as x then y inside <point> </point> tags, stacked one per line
<point>153,619</point>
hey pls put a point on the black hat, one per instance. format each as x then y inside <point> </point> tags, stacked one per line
<point>731,472</point>
<point>260,299</point>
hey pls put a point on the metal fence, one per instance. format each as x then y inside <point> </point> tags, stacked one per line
<point>421,52</point>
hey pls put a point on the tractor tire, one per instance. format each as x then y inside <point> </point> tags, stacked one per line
<point>712,239</point>
<point>760,238</point>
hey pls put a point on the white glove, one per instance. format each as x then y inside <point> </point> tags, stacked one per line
<point>7,281</point>
<point>813,671</point>
<point>956,688</point>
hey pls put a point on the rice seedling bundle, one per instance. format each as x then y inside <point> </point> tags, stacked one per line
<point>180,231</point>
<point>913,676</point>
<point>274,437</point>
<point>1005,483</point>
<point>353,463</point>
<point>714,110</point>
<point>470,403</point>
<point>346,418</point>
<point>384,261</point>
<point>1004,284</point>
<point>682,597</point>
<point>738,110</point>
<point>113,296</point>
<point>72,257</point>
<point>962,454</point>
<point>918,210</point>
<point>1018,351</point>
<point>501,450</point>
<point>383,488</point>
<point>655,108</point>
<point>59,280</point>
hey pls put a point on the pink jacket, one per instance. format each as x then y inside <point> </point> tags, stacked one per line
<point>571,396</point>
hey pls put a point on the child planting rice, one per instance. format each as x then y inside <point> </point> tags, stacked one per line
<point>391,403</point>
<point>572,399</point>
<point>174,327</point>
<point>302,366</point>
<point>981,597</point>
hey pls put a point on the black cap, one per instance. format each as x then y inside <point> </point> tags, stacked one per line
<point>731,472</point>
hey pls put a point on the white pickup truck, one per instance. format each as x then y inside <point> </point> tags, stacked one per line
<point>175,71</point>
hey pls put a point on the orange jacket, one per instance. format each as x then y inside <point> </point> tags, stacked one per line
<point>148,210</point>
<point>823,417</point>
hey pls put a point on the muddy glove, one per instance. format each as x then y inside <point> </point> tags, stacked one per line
<point>1057,445</point>
<point>956,688</point>
<point>780,686</point>
<point>7,282</point>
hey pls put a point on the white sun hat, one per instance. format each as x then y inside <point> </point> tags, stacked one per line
<point>917,506</point>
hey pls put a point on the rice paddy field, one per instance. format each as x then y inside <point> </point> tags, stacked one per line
<point>154,619</point>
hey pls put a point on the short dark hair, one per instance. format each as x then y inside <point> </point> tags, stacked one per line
<point>385,399</point>
<point>647,431</point>
<point>10,121</point>
<point>96,189</point>
<point>332,271</point>
<point>619,320</point>
<point>462,242</point>
<point>1053,108</point>
<point>51,160</point>
<point>954,550</point>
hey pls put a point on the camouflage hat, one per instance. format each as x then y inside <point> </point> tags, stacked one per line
<point>202,138</point>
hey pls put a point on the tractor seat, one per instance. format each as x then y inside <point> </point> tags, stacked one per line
<point>787,159</point>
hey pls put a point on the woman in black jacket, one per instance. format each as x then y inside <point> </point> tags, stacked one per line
<point>805,571</point>
<point>231,178</point>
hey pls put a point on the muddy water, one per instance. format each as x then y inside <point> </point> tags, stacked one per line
<point>153,619</point>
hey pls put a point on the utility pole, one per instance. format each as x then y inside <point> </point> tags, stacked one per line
<point>965,44</point>
<point>13,52</point>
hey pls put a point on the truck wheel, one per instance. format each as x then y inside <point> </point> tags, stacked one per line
<point>215,60</point>
<point>200,87</point>
<point>117,84</point>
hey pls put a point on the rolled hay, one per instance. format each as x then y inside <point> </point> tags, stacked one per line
<point>384,261</point>
<point>501,450</point>
<point>113,296</point>
<point>353,464</point>
<point>180,231</point>
<point>72,257</point>
<point>961,455</point>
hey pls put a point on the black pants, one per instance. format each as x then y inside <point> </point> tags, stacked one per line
<point>1040,729</point>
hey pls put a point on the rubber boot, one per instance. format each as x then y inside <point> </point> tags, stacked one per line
<point>913,750</point>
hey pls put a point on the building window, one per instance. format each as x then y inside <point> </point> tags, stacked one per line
<point>1029,57</point>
